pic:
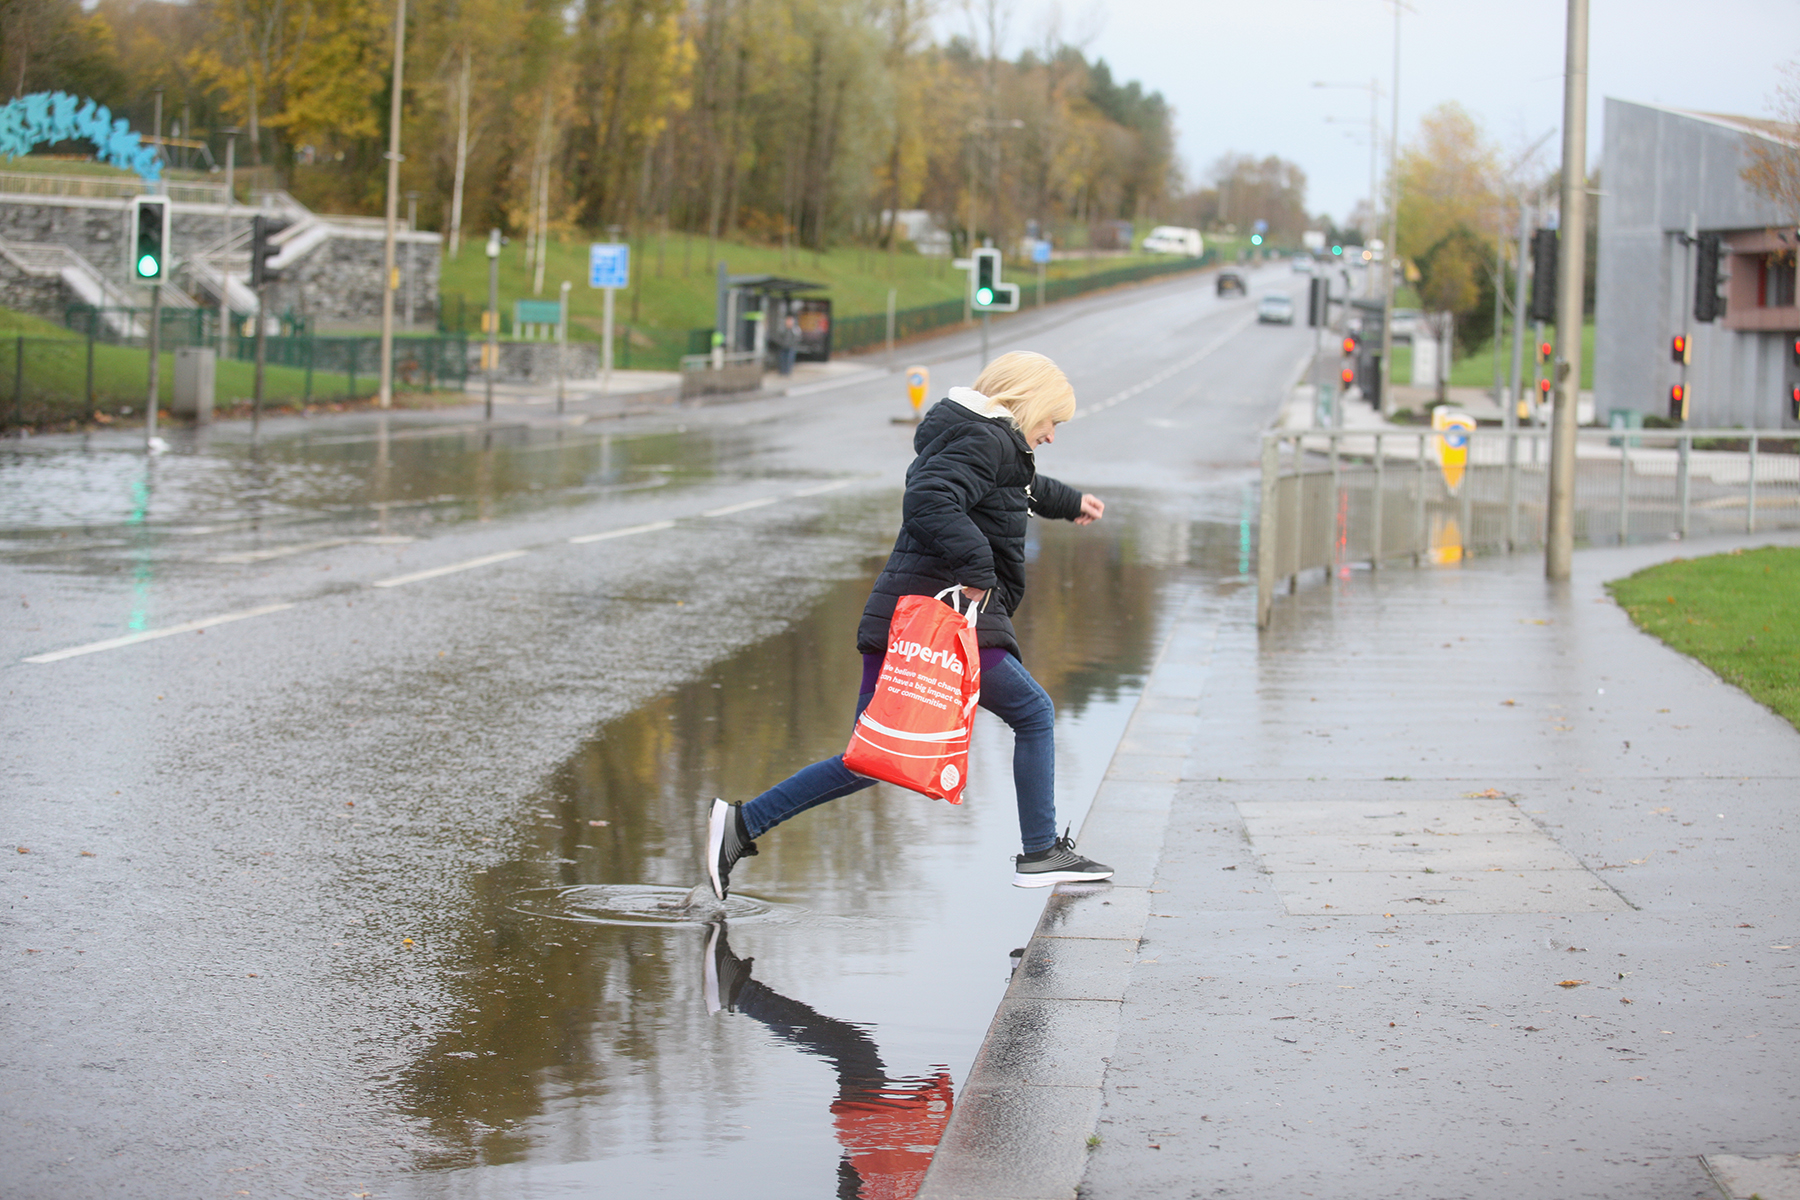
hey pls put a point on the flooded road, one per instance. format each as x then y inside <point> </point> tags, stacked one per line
<point>369,891</point>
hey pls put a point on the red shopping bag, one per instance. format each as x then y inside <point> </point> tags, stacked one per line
<point>915,730</point>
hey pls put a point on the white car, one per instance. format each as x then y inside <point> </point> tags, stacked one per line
<point>1275,309</point>
<point>1172,239</point>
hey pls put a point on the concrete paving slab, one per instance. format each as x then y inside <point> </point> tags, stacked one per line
<point>1770,1177</point>
<point>1501,852</point>
<point>1389,815</point>
<point>1368,892</point>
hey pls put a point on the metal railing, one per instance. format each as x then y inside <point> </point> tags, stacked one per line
<point>1333,499</point>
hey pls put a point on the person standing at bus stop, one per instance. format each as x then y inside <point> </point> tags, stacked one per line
<point>969,494</point>
<point>787,340</point>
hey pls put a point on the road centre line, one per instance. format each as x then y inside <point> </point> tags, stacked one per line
<point>741,507</point>
<point>820,489</point>
<point>1165,373</point>
<point>416,576</point>
<point>147,635</point>
<point>399,580</point>
<point>256,556</point>
<point>629,530</point>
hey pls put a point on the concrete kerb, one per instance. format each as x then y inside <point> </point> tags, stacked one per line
<point>1023,1120</point>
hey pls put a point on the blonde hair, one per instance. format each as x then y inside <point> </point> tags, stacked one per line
<point>1030,387</point>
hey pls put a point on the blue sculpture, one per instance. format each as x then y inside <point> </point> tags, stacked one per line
<point>58,116</point>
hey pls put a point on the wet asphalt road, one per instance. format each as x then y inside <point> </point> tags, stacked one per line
<point>356,894</point>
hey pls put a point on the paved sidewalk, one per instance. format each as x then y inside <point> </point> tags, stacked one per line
<point>1451,884</point>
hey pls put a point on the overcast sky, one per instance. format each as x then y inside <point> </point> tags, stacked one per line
<point>1240,74</point>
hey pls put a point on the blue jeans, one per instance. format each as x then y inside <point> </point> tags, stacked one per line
<point>1010,693</point>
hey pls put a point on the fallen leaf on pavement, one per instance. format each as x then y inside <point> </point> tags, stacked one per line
<point>1571,983</point>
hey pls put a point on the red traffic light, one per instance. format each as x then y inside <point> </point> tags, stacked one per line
<point>1794,400</point>
<point>1677,394</point>
<point>1349,345</point>
<point>1348,375</point>
<point>1544,351</point>
<point>1678,409</point>
<point>1678,348</point>
<point>1797,352</point>
<point>1544,386</point>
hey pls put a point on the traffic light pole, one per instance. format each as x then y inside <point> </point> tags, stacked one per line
<point>984,343</point>
<point>155,367</point>
<point>262,333</point>
<point>1559,547</point>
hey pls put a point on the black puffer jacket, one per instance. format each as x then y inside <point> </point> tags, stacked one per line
<point>967,497</point>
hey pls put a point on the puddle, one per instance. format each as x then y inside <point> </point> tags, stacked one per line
<point>808,1044</point>
<point>406,477</point>
<point>639,904</point>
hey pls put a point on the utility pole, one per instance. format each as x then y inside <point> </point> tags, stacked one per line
<point>390,273</point>
<point>1559,545</point>
<point>493,317</point>
<point>1391,255</point>
<point>1518,339</point>
<point>225,247</point>
<point>156,308</point>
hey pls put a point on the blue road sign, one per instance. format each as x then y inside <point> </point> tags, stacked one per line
<point>1040,253</point>
<point>1261,227</point>
<point>609,265</point>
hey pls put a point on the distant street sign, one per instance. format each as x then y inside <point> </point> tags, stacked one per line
<point>1040,253</point>
<point>537,312</point>
<point>1260,227</point>
<point>609,265</point>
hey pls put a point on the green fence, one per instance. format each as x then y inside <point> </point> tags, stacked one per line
<point>850,334</point>
<point>51,381</point>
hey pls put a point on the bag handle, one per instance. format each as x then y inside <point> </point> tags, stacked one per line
<point>968,612</point>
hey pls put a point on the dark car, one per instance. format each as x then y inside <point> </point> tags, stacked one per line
<point>1231,281</point>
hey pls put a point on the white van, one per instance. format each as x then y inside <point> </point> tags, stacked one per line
<point>1172,239</point>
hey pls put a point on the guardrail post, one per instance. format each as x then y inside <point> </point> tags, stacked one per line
<point>1330,521</point>
<point>1512,488</point>
<point>1380,486</point>
<point>1265,536</point>
<point>1750,500</point>
<point>1419,507</point>
<point>1681,479</point>
<point>1624,487</point>
<point>1299,513</point>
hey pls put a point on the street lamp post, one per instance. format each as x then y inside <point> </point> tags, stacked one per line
<point>388,282</point>
<point>225,246</point>
<point>493,340</point>
<point>1559,541</point>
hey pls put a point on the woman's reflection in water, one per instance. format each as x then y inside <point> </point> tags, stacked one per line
<point>888,1126</point>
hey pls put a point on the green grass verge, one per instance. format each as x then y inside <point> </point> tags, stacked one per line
<point>1477,369</point>
<point>674,281</point>
<point>1733,612</point>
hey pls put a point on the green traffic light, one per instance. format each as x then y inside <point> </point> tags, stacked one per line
<point>1337,249</point>
<point>984,295</point>
<point>146,266</point>
<point>1256,239</point>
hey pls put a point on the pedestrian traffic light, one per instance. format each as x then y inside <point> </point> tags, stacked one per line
<point>1678,349</point>
<point>1678,402</point>
<point>150,245</point>
<point>986,291</point>
<point>1543,275</point>
<point>1708,259</point>
<point>263,249</point>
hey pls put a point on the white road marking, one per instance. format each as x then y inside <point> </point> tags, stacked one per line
<point>131,639</point>
<point>820,489</point>
<point>652,527</point>
<point>451,569</point>
<point>738,508</point>
<point>1164,374</point>
<point>256,556</point>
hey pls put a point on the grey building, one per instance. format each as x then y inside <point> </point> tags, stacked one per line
<point>1665,173</point>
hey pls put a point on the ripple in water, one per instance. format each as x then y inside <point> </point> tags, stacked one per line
<point>637,904</point>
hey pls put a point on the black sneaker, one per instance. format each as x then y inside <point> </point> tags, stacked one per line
<point>726,973</point>
<point>1058,864</point>
<point>726,842</point>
